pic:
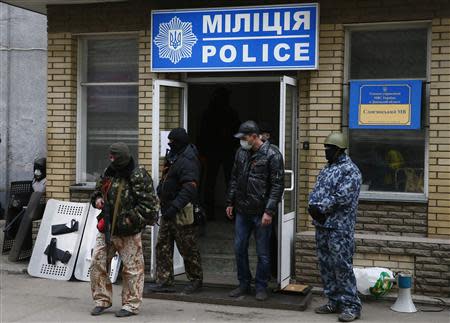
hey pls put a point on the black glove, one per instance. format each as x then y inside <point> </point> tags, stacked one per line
<point>169,213</point>
<point>315,213</point>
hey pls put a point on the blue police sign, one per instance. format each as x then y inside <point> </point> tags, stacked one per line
<point>385,104</point>
<point>235,39</point>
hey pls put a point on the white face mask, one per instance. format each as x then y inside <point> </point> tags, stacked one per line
<point>245,145</point>
<point>37,172</point>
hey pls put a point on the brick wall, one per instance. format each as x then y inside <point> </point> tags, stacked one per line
<point>61,114</point>
<point>320,94</point>
<point>427,259</point>
<point>439,149</point>
<point>145,101</point>
<point>392,218</point>
<point>320,111</point>
<point>320,91</point>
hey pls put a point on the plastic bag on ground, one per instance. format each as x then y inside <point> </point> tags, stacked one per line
<point>374,281</point>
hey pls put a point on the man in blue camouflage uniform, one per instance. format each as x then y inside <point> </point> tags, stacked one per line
<point>333,205</point>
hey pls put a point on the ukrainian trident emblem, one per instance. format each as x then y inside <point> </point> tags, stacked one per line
<point>175,39</point>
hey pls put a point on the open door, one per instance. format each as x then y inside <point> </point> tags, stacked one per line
<point>169,111</point>
<point>287,210</point>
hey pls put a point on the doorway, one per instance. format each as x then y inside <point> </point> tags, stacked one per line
<point>215,111</point>
<point>212,112</point>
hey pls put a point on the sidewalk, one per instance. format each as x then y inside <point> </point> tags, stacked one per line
<point>27,299</point>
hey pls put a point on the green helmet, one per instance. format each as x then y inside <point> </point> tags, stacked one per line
<point>337,139</point>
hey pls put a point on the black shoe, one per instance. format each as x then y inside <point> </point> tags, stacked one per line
<point>349,316</point>
<point>193,287</point>
<point>326,309</point>
<point>261,295</point>
<point>124,313</point>
<point>240,291</point>
<point>161,288</point>
<point>99,310</point>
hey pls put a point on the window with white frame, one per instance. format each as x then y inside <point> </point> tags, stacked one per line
<point>107,101</point>
<point>392,162</point>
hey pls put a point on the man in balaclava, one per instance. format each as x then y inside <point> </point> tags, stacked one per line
<point>333,205</point>
<point>177,192</point>
<point>126,196</point>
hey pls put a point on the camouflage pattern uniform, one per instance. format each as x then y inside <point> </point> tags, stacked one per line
<point>138,207</point>
<point>336,194</point>
<point>185,236</point>
<point>177,188</point>
<point>130,251</point>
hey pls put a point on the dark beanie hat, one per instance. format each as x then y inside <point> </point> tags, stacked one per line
<point>180,139</point>
<point>121,153</point>
<point>179,135</point>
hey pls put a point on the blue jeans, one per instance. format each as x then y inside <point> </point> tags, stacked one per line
<point>244,226</point>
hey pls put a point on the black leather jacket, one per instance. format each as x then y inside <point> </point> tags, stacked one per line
<point>257,181</point>
<point>180,179</point>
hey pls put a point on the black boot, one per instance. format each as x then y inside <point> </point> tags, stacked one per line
<point>240,291</point>
<point>124,313</point>
<point>193,287</point>
<point>99,310</point>
<point>161,288</point>
<point>261,295</point>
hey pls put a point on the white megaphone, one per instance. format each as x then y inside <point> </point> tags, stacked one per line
<point>404,303</point>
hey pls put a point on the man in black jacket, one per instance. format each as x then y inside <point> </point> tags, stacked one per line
<point>177,191</point>
<point>256,188</point>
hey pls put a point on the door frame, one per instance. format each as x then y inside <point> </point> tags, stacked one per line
<point>290,80</point>
<point>286,81</point>
<point>156,152</point>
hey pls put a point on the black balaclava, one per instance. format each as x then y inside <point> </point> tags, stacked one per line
<point>39,169</point>
<point>180,139</point>
<point>332,152</point>
<point>121,155</point>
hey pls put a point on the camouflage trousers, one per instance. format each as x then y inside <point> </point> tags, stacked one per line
<point>130,251</point>
<point>335,249</point>
<point>186,238</point>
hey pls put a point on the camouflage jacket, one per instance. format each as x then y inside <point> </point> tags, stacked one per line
<point>138,199</point>
<point>336,194</point>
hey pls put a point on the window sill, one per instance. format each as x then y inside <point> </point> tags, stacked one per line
<point>393,197</point>
<point>82,187</point>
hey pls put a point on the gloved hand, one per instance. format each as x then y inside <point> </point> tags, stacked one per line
<point>101,225</point>
<point>315,213</point>
<point>169,213</point>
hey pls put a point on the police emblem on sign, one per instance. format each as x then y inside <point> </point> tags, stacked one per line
<point>175,40</point>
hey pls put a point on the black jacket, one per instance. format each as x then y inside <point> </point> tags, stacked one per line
<point>257,181</point>
<point>180,179</point>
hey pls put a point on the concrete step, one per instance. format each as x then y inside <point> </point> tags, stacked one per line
<point>218,230</point>
<point>223,264</point>
<point>223,247</point>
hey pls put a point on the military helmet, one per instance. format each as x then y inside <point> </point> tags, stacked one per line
<point>337,139</point>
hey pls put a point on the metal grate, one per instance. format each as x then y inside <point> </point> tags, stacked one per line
<point>70,210</point>
<point>20,187</point>
<point>53,270</point>
<point>7,245</point>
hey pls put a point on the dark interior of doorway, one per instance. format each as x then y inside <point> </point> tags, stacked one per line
<point>215,111</point>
